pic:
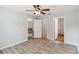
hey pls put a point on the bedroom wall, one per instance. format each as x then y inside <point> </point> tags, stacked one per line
<point>50,26</point>
<point>78,28</point>
<point>13,28</point>
<point>29,24</point>
<point>55,28</point>
<point>44,29</point>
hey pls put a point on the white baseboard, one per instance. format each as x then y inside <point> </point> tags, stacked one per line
<point>13,44</point>
<point>50,39</point>
<point>74,44</point>
<point>71,43</point>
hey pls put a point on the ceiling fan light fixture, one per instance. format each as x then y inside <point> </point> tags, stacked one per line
<point>37,12</point>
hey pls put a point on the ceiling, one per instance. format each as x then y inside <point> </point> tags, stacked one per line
<point>53,8</point>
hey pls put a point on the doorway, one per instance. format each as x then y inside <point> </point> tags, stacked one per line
<point>37,28</point>
<point>59,29</point>
<point>30,28</point>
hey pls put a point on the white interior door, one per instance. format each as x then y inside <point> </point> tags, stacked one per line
<point>37,28</point>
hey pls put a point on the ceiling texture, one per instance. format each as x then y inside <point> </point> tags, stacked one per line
<point>53,8</point>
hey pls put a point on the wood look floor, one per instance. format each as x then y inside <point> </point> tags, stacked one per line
<point>60,37</point>
<point>41,46</point>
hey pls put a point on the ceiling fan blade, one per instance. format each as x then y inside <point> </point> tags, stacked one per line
<point>34,6</point>
<point>29,10</point>
<point>42,13</point>
<point>45,9</point>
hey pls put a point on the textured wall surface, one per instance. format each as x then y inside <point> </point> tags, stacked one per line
<point>13,27</point>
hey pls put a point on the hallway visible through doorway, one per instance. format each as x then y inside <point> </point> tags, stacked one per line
<point>30,29</point>
<point>60,37</point>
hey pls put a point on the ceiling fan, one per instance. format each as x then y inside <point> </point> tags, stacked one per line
<point>37,10</point>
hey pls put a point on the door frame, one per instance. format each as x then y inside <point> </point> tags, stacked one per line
<point>64,26</point>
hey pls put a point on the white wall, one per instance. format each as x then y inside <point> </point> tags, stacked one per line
<point>13,28</point>
<point>50,26</point>
<point>44,29</point>
<point>55,27</point>
<point>29,24</point>
<point>78,28</point>
<point>70,26</point>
